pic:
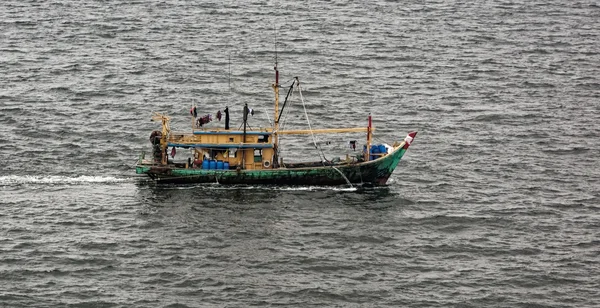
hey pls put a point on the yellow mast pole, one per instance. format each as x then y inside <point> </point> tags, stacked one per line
<point>163,141</point>
<point>165,132</point>
<point>326,131</point>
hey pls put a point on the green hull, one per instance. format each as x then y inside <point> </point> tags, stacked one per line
<point>374,172</point>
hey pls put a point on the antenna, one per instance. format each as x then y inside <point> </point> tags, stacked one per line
<point>275,29</point>
<point>229,78</point>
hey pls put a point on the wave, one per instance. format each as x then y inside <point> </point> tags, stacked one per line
<point>57,179</point>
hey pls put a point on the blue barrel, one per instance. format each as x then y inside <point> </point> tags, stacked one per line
<point>382,149</point>
<point>205,164</point>
<point>212,165</point>
<point>219,165</point>
<point>374,150</point>
<point>226,165</point>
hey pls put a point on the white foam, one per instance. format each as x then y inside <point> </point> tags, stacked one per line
<point>314,188</point>
<point>56,179</point>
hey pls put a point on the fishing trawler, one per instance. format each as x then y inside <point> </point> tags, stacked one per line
<point>252,156</point>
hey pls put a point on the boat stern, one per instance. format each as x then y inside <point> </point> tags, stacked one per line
<point>141,169</point>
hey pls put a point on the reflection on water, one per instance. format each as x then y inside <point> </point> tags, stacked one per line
<point>258,206</point>
<point>227,195</point>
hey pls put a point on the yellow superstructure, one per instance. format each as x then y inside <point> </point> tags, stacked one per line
<point>240,149</point>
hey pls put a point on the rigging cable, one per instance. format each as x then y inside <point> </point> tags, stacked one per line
<point>322,155</point>
<point>268,118</point>
<point>285,101</point>
<point>288,98</point>
<point>285,116</point>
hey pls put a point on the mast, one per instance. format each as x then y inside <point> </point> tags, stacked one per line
<point>229,79</point>
<point>165,131</point>
<point>245,118</point>
<point>276,89</point>
<point>369,138</point>
<point>163,142</point>
<point>276,118</point>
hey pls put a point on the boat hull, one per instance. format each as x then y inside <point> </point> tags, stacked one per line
<point>375,172</point>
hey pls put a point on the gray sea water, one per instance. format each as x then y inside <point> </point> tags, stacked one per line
<point>496,203</point>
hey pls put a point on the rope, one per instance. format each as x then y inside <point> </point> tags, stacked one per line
<point>269,119</point>
<point>322,155</point>
<point>306,114</point>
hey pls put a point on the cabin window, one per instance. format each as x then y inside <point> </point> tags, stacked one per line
<point>230,139</point>
<point>263,138</point>
<point>232,152</point>
<point>257,155</point>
